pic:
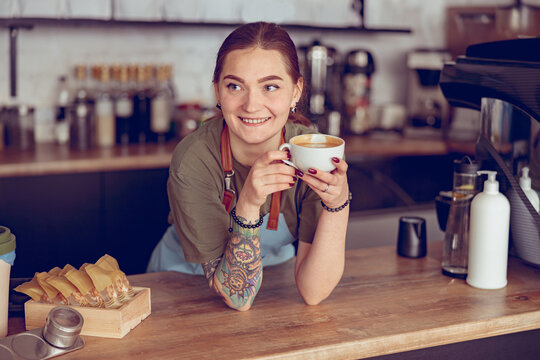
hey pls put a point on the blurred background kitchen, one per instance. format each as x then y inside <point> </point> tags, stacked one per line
<point>96,94</point>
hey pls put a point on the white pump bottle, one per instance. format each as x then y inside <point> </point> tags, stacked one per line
<point>525,183</point>
<point>488,237</point>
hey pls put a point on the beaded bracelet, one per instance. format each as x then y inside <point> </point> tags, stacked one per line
<point>245,226</point>
<point>340,207</point>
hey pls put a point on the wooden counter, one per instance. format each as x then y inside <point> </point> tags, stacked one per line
<point>49,159</point>
<point>384,304</point>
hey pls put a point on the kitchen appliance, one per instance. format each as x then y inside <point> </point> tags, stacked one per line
<point>359,67</point>
<point>320,67</point>
<point>427,109</point>
<point>500,79</point>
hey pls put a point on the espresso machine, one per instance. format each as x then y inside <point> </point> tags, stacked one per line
<point>427,109</point>
<point>502,80</point>
<point>320,67</point>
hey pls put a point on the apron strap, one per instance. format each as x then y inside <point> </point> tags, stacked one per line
<point>228,195</point>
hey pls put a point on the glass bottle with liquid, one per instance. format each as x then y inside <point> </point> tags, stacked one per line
<point>62,119</point>
<point>81,118</point>
<point>105,121</point>
<point>141,103</point>
<point>456,242</point>
<point>123,104</point>
<point>161,104</point>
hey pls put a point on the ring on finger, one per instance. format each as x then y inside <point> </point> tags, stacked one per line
<point>327,187</point>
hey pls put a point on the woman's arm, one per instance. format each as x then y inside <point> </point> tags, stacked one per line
<point>319,266</point>
<point>237,276</point>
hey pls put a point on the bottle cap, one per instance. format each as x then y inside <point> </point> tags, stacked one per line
<point>7,240</point>
<point>466,166</point>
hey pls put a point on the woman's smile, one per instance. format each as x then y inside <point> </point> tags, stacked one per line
<point>254,121</point>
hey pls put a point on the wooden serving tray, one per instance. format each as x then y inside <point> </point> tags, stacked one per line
<point>110,323</point>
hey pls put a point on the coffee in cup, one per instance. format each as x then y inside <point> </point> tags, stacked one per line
<point>314,151</point>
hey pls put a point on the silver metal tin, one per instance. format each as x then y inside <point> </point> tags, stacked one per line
<point>31,345</point>
<point>63,326</point>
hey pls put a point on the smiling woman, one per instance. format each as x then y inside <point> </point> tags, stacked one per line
<point>235,205</point>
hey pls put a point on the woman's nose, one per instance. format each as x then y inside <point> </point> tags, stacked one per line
<point>252,102</point>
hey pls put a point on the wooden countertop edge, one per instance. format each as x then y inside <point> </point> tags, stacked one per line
<point>73,166</point>
<point>415,340</point>
<point>358,148</point>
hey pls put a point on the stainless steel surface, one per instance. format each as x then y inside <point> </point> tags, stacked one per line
<point>30,345</point>
<point>59,336</point>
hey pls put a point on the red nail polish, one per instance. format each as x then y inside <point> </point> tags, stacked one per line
<point>294,179</point>
<point>291,184</point>
<point>335,159</point>
<point>312,171</point>
<point>288,154</point>
<point>333,171</point>
<point>298,173</point>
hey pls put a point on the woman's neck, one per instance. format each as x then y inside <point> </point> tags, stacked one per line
<point>246,154</point>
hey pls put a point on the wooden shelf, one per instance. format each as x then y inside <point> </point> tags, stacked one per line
<point>48,159</point>
<point>31,22</point>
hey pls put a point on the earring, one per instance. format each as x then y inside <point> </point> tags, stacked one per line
<point>293,109</point>
<point>218,106</point>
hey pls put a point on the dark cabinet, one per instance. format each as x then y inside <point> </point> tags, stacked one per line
<point>76,218</point>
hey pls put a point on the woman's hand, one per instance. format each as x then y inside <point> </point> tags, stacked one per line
<point>267,175</point>
<point>332,187</point>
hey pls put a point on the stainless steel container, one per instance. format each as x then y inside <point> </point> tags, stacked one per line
<point>62,327</point>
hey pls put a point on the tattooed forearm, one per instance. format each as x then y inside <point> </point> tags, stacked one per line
<point>209,269</point>
<point>238,275</point>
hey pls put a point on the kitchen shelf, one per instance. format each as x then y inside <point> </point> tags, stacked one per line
<point>31,22</point>
<point>49,159</point>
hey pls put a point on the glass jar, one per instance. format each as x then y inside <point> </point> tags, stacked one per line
<point>456,241</point>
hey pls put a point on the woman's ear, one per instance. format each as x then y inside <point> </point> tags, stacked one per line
<point>297,93</point>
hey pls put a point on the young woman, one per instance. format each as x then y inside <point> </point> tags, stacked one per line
<point>233,217</point>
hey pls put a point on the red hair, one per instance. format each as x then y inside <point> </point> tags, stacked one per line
<point>266,36</point>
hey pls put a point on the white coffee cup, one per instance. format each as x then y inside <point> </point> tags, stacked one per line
<point>314,151</point>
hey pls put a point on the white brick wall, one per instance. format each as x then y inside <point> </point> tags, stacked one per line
<point>47,52</point>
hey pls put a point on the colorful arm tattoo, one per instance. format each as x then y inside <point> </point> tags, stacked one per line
<point>237,276</point>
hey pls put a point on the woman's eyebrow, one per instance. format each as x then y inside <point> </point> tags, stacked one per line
<point>261,80</point>
<point>233,77</point>
<point>270,77</point>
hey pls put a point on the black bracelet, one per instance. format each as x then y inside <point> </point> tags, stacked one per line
<point>245,226</point>
<point>338,208</point>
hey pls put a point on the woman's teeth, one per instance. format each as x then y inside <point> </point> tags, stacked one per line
<point>254,120</point>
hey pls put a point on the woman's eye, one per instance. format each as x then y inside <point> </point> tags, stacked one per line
<point>232,86</point>
<point>271,87</point>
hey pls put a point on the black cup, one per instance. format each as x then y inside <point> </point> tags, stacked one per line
<point>412,237</point>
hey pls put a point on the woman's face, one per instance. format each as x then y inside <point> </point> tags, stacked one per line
<point>256,94</point>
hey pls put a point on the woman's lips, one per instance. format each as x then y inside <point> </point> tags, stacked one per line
<point>254,120</point>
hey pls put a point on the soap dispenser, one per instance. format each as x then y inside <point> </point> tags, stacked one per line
<point>488,238</point>
<point>525,183</point>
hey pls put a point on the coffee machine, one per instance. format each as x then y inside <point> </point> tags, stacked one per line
<point>501,79</point>
<point>427,109</point>
<point>320,67</point>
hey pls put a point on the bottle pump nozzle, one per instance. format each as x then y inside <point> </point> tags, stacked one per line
<point>491,185</point>
<point>525,180</point>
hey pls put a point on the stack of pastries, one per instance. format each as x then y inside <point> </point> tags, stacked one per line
<point>101,285</point>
